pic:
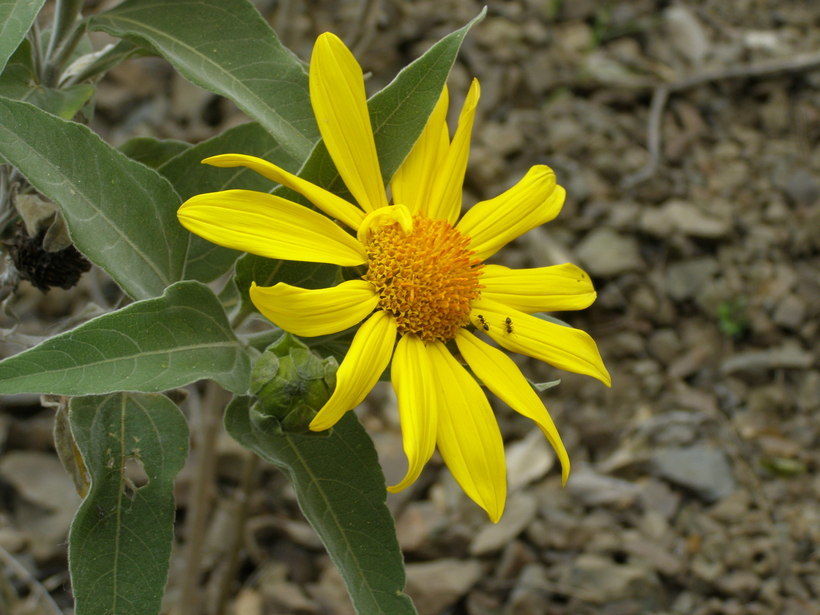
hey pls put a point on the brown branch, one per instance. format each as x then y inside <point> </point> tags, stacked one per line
<point>765,68</point>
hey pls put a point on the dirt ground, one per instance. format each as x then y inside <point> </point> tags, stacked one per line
<point>695,486</point>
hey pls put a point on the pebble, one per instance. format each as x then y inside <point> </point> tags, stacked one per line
<point>684,279</point>
<point>607,253</point>
<point>676,216</point>
<point>788,356</point>
<point>664,345</point>
<point>702,469</point>
<point>600,579</point>
<point>435,586</point>
<point>790,312</point>
<point>594,489</point>
<point>530,592</point>
<point>528,460</point>
<point>521,510</point>
<point>686,33</point>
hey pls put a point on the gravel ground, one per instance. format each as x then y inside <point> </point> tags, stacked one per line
<point>695,478</point>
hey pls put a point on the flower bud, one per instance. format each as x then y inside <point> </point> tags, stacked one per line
<point>291,382</point>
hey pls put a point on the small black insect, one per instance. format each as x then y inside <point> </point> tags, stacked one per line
<point>483,322</point>
<point>508,324</point>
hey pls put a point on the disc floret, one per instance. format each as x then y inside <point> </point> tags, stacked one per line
<point>426,278</point>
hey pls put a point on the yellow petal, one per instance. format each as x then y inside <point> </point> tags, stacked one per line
<point>468,436</point>
<point>499,374</point>
<point>544,289</point>
<point>533,201</point>
<point>419,399</point>
<point>309,313</point>
<point>334,206</point>
<point>564,347</point>
<point>360,370</point>
<point>413,182</point>
<point>385,215</point>
<point>340,105</point>
<point>445,198</point>
<point>269,226</point>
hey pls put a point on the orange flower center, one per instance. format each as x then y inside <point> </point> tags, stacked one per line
<point>426,279</point>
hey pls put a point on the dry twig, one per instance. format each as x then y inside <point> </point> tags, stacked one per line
<point>766,68</point>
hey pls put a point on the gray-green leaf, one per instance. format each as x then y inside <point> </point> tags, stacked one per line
<point>120,540</point>
<point>16,17</point>
<point>20,82</point>
<point>341,492</point>
<point>226,47</point>
<point>151,345</point>
<point>120,214</point>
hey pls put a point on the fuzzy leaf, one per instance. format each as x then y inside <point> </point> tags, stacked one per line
<point>226,47</point>
<point>16,17</point>
<point>340,489</point>
<point>151,345</point>
<point>120,213</point>
<point>121,537</point>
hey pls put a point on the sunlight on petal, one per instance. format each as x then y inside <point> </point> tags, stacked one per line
<point>367,358</point>
<point>413,377</point>
<point>413,182</point>
<point>309,312</point>
<point>269,226</point>
<point>564,347</point>
<point>445,197</point>
<point>339,103</point>
<point>501,375</point>
<point>544,289</point>
<point>533,201</point>
<point>468,436</point>
<point>334,206</point>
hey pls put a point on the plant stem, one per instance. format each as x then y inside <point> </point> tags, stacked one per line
<point>209,412</point>
<point>240,514</point>
<point>65,16</point>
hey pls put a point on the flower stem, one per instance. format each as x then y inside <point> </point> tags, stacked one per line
<point>205,432</point>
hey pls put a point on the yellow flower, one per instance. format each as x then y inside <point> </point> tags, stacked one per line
<point>425,283</point>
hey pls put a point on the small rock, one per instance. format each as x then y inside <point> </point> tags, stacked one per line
<point>505,139</point>
<point>40,478</point>
<point>676,216</point>
<point>788,356</point>
<point>740,583</point>
<point>434,586</point>
<point>595,489</point>
<point>528,460</point>
<point>665,345</point>
<point>790,312</point>
<point>686,33</point>
<point>706,569</point>
<point>652,553</point>
<point>606,253</point>
<point>702,469</point>
<point>731,508</point>
<point>659,499</point>
<point>685,279</point>
<point>515,556</point>
<point>800,185</point>
<point>417,524</point>
<point>603,580</point>
<point>521,510</point>
<point>673,428</point>
<point>530,592</point>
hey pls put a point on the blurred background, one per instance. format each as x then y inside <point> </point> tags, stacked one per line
<point>686,135</point>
